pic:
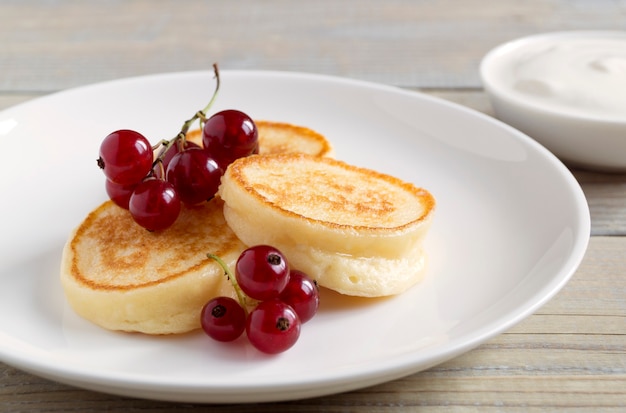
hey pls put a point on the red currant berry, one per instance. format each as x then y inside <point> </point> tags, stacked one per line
<point>154,204</point>
<point>228,135</point>
<point>194,175</point>
<point>120,194</point>
<point>223,319</point>
<point>262,272</point>
<point>171,152</point>
<point>302,294</point>
<point>125,157</point>
<point>273,327</point>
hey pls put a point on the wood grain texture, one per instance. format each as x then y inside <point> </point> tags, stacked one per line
<point>51,45</point>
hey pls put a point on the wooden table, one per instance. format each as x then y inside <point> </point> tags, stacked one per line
<point>568,356</point>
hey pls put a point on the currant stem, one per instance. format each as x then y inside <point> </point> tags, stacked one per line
<point>217,88</point>
<point>159,162</point>
<point>199,115</point>
<point>241,297</point>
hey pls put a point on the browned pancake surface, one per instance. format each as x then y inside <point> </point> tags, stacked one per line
<point>111,252</point>
<point>332,193</point>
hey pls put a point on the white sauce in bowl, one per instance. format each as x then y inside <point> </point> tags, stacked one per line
<point>583,75</point>
<point>567,90</point>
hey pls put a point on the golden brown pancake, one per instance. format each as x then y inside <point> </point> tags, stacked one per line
<point>122,277</point>
<point>354,230</point>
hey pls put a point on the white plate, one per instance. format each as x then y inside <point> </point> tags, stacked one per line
<point>511,227</point>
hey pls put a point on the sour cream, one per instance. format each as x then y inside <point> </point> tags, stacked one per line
<point>585,76</point>
<point>566,90</point>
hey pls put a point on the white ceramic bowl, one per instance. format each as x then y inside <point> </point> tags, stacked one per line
<point>566,90</point>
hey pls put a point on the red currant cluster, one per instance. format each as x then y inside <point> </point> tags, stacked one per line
<point>153,188</point>
<point>284,298</point>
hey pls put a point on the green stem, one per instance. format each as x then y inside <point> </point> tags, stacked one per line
<point>241,297</point>
<point>199,115</point>
<point>217,88</point>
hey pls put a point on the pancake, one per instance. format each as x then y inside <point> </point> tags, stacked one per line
<point>122,277</point>
<point>353,230</point>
